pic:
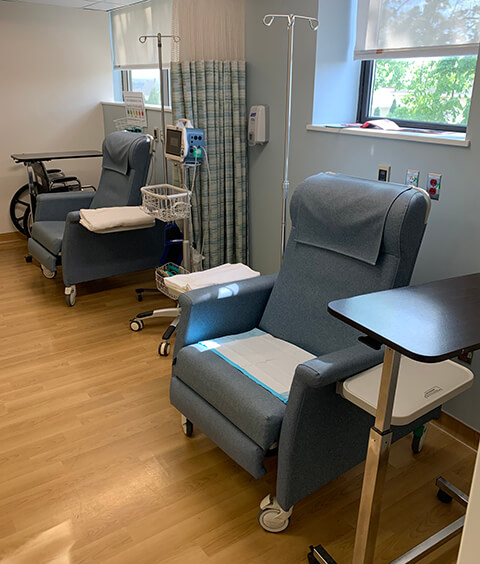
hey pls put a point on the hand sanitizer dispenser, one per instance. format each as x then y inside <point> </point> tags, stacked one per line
<point>258,125</point>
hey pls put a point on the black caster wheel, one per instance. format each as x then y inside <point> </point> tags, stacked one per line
<point>164,348</point>
<point>28,258</point>
<point>136,325</point>
<point>444,497</point>
<point>187,426</point>
<point>419,439</point>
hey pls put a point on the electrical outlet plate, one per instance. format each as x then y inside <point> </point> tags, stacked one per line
<point>383,173</point>
<point>412,176</point>
<point>434,182</point>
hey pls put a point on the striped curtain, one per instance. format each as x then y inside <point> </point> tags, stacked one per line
<point>212,95</point>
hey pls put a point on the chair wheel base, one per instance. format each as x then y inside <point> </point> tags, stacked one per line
<point>164,348</point>
<point>136,324</point>
<point>272,517</point>
<point>70,295</point>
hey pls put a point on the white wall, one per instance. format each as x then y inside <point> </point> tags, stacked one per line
<point>452,237</point>
<point>56,68</point>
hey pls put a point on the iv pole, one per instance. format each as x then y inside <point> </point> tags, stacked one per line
<point>159,37</point>
<point>268,20</point>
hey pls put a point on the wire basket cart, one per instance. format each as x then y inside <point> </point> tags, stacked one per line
<point>165,271</point>
<point>166,203</point>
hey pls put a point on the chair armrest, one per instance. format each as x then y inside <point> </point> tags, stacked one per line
<point>337,365</point>
<point>221,310</point>
<point>54,206</point>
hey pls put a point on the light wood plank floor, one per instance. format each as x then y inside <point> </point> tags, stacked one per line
<point>93,459</point>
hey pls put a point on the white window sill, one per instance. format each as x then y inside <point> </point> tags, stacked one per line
<point>168,109</point>
<point>443,138</point>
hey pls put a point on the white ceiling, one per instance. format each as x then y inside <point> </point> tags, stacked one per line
<point>101,5</point>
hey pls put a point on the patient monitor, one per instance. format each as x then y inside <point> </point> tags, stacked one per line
<point>184,143</point>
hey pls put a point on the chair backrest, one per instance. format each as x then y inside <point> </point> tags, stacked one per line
<point>126,159</point>
<point>349,236</point>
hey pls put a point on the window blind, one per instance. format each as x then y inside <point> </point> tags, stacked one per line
<point>129,23</point>
<point>389,29</point>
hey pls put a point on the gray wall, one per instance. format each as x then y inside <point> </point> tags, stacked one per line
<point>450,244</point>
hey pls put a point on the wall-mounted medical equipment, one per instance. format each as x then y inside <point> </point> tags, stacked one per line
<point>258,125</point>
<point>184,143</point>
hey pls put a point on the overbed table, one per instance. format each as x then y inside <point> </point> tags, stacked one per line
<point>427,323</point>
<point>31,160</point>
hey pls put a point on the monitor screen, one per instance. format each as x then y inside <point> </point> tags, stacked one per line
<point>173,145</point>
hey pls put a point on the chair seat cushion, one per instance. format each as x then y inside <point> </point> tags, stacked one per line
<point>49,234</point>
<point>251,408</point>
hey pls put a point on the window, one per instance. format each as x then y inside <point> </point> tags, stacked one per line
<point>422,92</point>
<point>148,82</point>
<point>136,64</point>
<point>419,60</point>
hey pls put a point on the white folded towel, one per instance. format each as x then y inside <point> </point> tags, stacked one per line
<point>223,274</point>
<point>111,220</point>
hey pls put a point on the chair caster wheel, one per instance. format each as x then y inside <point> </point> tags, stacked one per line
<point>28,258</point>
<point>444,497</point>
<point>187,426</point>
<point>70,295</point>
<point>272,517</point>
<point>136,324</point>
<point>419,439</point>
<point>48,273</point>
<point>164,348</point>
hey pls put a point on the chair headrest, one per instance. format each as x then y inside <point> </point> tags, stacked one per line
<point>343,214</point>
<point>117,148</point>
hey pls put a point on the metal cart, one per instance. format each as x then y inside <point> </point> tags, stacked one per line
<point>166,203</point>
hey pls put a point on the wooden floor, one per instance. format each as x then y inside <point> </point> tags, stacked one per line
<point>94,463</point>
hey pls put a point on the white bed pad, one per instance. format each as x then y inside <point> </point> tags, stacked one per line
<point>268,361</point>
<point>114,219</point>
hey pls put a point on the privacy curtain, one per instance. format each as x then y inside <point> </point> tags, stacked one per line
<point>208,87</point>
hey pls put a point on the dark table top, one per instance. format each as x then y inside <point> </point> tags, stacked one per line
<point>35,157</point>
<point>429,322</point>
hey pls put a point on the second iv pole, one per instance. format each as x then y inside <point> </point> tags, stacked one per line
<point>268,20</point>
<point>159,37</point>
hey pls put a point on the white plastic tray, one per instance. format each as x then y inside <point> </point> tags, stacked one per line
<point>421,387</point>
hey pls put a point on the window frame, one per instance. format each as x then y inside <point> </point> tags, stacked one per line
<point>365,96</point>
<point>126,81</point>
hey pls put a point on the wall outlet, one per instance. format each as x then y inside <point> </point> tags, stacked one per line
<point>383,173</point>
<point>412,176</point>
<point>434,181</point>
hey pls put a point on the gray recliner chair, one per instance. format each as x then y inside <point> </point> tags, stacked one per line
<point>59,239</point>
<point>349,236</point>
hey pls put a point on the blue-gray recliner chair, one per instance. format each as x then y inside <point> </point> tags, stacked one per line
<point>349,236</point>
<point>58,237</point>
